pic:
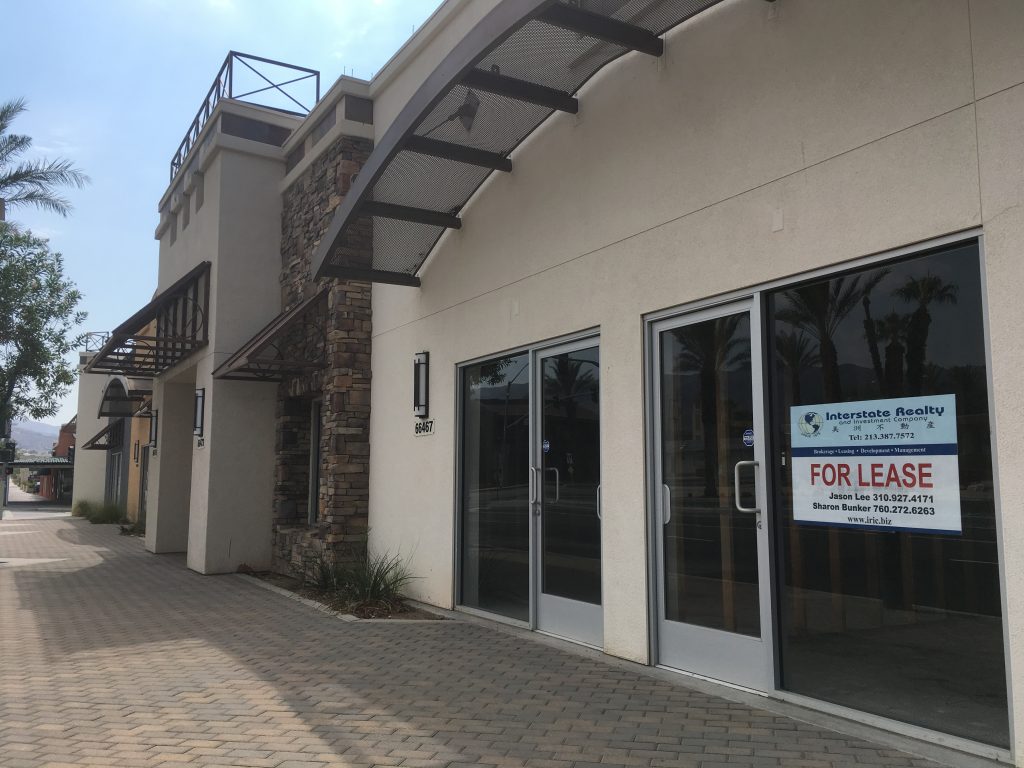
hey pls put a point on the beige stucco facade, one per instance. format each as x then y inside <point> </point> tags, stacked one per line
<point>211,494</point>
<point>90,466</point>
<point>771,140</point>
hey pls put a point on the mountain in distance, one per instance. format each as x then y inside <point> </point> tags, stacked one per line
<point>34,436</point>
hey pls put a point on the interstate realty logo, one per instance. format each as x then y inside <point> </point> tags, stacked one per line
<point>810,424</point>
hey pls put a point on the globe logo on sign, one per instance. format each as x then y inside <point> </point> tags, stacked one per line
<point>809,424</point>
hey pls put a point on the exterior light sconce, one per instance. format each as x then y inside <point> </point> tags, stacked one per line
<point>154,422</point>
<point>421,384</point>
<point>197,423</point>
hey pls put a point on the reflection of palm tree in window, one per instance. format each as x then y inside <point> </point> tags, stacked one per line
<point>926,290</point>
<point>566,383</point>
<point>712,349</point>
<point>871,328</point>
<point>891,330</point>
<point>494,375</point>
<point>798,354</point>
<point>820,310</point>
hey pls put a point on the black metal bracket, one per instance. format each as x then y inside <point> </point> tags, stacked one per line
<point>370,275</point>
<point>521,90</point>
<point>414,215</point>
<point>462,154</point>
<point>603,28</point>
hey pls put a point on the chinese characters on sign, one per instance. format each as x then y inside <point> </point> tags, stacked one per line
<point>886,464</point>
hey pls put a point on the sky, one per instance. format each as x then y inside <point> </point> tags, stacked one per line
<point>113,86</point>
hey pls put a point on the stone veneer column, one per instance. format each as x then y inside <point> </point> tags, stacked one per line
<point>344,385</point>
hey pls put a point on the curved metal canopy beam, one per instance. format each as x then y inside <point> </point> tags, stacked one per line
<point>385,234</point>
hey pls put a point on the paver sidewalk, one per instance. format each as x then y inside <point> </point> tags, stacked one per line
<point>114,657</point>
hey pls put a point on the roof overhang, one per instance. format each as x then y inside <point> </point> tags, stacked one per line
<point>521,63</point>
<point>123,396</point>
<point>177,319</point>
<point>292,343</point>
<point>101,440</point>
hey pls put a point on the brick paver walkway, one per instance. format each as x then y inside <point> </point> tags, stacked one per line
<point>114,657</point>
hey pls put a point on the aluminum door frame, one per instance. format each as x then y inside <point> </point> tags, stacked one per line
<point>732,658</point>
<point>569,619</point>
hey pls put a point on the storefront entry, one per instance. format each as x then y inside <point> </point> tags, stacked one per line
<point>530,527</point>
<point>824,521</point>
<point>714,606</point>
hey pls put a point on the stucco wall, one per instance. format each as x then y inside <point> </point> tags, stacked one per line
<point>756,148</point>
<point>90,466</point>
<point>232,468</point>
<point>227,478</point>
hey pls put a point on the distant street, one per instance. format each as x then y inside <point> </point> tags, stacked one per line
<point>30,506</point>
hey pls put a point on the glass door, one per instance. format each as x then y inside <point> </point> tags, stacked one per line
<point>566,492</point>
<point>714,605</point>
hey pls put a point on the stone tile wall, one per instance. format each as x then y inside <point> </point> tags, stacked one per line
<point>342,325</point>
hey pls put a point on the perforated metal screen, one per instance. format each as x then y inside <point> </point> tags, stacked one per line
<point>559,45</point>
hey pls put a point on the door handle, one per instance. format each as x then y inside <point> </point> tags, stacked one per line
<point>736,486</point>
<point>558,483</point>
<point>666,503</point>
<point>533,485</point>
<point>599,501</point>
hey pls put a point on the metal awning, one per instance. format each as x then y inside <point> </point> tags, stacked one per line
<point>292,343</point>
<point>123,396</point>
<point>161,334</point>
<point>101,440</point>
<point>522,62</point>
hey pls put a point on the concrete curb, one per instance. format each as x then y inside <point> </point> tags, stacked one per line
<point>297,598</point>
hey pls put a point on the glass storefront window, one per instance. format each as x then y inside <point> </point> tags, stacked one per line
<point>495,535</point>
<point>904,623</point>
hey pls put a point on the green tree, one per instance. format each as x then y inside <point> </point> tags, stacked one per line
<point>31,182</point>
<point>924,291</point>
<point>38,318</point>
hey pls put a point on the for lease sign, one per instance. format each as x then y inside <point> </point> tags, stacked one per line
<point>885,464</point>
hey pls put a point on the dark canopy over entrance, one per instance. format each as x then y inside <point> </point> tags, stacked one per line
<point>124,396</point>
<point>161,334</point>
<point>522,62</point>
<point>294,342</point>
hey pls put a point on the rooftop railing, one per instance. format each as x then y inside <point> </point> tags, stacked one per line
<point>275,74</point>
<point>93,341</point>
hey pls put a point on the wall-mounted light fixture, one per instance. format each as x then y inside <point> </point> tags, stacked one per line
<point>421,384</point>
<point>154,422</point>
<point>197,423</point>
<point>135,452</point>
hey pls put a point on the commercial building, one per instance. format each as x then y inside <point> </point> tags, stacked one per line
<point>690,328</point>
<point>55,483</point>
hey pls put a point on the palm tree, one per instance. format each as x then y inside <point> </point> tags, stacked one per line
<point>870,328</point>
<point>929,289</point>
<point>892,329</point>
<point>797,354</point>
<point>820,309</point>
<point>712,349</point>
<point>31,182</point>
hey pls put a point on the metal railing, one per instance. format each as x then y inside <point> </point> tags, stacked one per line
<point>224,88</point>
<point>94,341</point>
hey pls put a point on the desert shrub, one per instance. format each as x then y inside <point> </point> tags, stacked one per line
<point>320,571</point>
<point>374,579</point>
<point>106,513</point>
<point>358,578</point>
<point>83,509</point>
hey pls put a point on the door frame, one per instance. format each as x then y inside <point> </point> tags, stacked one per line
<point>593,334</point>
<point>761,676</point>
<point>537,355</point>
